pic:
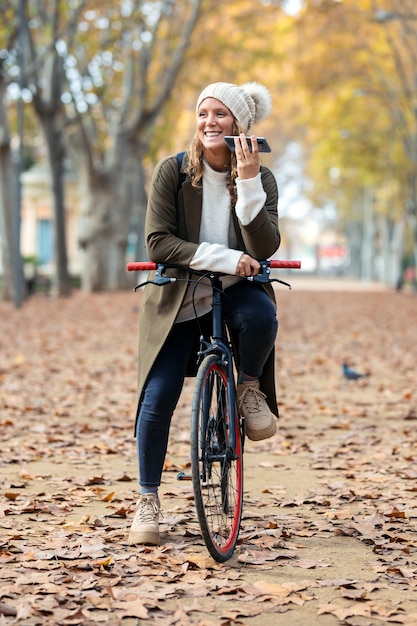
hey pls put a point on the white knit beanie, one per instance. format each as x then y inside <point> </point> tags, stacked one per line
<point>249,103</point>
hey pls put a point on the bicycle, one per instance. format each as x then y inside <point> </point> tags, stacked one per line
<point>217,429</point>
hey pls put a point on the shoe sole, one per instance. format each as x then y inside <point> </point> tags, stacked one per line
<point>145,538</point>
<point>258,435</point>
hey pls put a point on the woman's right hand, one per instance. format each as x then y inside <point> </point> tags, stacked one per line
<point>247,266</point>
<point>248,161</point>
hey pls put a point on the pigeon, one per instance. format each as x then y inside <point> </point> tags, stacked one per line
<point>351,374</point>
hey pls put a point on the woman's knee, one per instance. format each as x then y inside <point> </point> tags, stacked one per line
<point>262,317</point>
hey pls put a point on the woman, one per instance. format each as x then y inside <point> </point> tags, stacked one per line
<point>222,218</point>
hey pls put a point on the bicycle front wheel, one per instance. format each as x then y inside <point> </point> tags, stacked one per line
<point>217,466</point>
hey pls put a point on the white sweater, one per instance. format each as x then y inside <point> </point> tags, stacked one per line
<point>218,251</point>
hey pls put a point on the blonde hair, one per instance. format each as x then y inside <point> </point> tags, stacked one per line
<point>194,168</point>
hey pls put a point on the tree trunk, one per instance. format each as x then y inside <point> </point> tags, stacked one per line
<point>354,232</point>
<point>48,107</point>
<point>104,235</point>
<point>53,136</point>
<point>13,281</point>
<point>114,209</point>
<point>6,213</point>
<point>393,250</point>
<point>367,247</point>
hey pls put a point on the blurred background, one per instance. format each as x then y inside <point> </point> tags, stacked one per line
<point>93,93</point>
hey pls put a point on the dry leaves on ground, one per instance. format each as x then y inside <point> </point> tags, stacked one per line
<point>329,527</point>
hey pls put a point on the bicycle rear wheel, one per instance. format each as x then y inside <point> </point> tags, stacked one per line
<point>217,469</point>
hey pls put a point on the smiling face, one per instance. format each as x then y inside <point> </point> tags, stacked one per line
<point>214,122</point>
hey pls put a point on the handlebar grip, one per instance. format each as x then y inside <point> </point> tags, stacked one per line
<point>140,266</point>
<point>277,263</point>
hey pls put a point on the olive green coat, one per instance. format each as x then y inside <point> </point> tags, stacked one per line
<point>172,230</point>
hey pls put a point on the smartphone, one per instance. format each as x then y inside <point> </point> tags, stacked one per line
<point>263,145</point>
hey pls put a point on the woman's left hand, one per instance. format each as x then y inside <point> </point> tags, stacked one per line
<point>248,163</point>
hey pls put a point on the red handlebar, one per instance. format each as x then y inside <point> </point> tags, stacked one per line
<point>143,266</point>
<point>278,263</point>
<point>140,266</point>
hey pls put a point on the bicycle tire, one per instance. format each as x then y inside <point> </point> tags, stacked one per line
<point>217,470</point>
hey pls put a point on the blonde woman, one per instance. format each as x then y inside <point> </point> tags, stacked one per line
<point>223,217</point>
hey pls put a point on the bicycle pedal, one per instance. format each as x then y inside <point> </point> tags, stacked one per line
<point>184,476</point>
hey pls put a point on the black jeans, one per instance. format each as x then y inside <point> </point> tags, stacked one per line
<point>247,309</point>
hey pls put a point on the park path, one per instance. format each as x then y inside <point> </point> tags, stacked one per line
<point>329,533</point>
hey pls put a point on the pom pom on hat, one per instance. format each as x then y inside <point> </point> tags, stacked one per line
<point>249,103</point>
<point>262,98</point>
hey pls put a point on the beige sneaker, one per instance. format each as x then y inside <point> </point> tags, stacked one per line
<point>145,525</point>
<point>259,421</point>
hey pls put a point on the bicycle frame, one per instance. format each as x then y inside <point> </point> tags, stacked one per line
<point>220,344</point>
